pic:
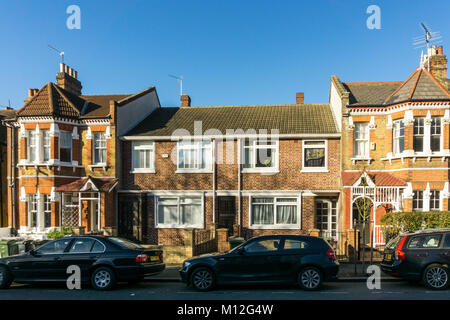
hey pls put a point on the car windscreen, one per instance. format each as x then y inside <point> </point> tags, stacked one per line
<point>393,243</point>
<point>124,243</point>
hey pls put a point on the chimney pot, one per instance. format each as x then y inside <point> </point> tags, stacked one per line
<point>300,98</point>
<point>440,50</point>
<point>185,100</point>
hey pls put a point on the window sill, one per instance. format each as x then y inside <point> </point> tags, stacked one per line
<point>417,155</point>
<point>143,171</point>
<point>361,159</point>
<point>275,227</point>
<point>314,170</point>
<point>101,165</point>
<point>193,171</point>
<point>263,171</point>
<point>175,226</point>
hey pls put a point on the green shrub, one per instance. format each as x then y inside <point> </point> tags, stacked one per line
<point>59,233</point>
<point>398,222</point>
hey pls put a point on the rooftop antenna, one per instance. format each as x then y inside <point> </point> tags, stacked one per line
<point>426,40</point>
<point>61,53</point>
<point>179,78</point>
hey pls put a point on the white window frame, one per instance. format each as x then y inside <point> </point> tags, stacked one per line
<point>356,139</point>
<point>46,201</point>
<point>414,200</point>
<point>440,134</point>
<point>32,198</point>
<point>423,125</point>
<point>329,216</point>
<point>197,146</point>
<point>253,145</point>
<point>46,145</point>
<point>396,137</point>
<point>276,226</point>
<point>178,225</point>
<point>150,146</point>
<point>69,134</point>
<point>34,146</point>
<point>100,137</point>
<point>439,208</point>
<point>305,146</point>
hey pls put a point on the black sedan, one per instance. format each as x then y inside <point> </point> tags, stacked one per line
<point>305,260</point>
<point>420,256</point>
<point>103,261</point>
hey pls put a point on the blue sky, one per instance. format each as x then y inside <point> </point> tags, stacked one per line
<point>229,52</point>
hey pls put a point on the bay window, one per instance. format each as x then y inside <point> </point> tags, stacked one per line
<point>99,147</point>
<point>65,146</point>
<point>194,155</point>
<point>435,138</point>
<point>32,148</point>
<point>314,155</point>
<point>435,201</point>
<point>32,206</point>
<point>398,137</point>
<point>47,211</point>
<point>275,212</point>
<point>361,140</point>
<point>180,212</point>
<point>260,154</point>
<point>418,200</point>
<point>419,130</point>
<point>46,145</point>
<point>143,156</point>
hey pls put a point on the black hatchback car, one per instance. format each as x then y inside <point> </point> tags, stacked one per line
<point>102,261</point>
<point>305,260</point>
<point>420,256</point>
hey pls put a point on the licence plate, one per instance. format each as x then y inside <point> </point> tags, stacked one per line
<point>154,258</point>
<point>388,256</point>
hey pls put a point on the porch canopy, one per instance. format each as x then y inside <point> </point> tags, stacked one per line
<point>83,189</point>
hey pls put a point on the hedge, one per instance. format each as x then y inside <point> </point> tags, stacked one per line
<point>398,222</point>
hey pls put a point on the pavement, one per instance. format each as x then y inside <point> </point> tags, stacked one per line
<point>346,274</point>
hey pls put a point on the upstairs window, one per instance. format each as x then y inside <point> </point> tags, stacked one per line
<point>314,154</point>
<point>143,155</point>
<point>46,144</point>
<point>435,139</point>
<point>398,137</point>
<point>32,149</point>
<point>99,148</point>
<point>65,146</point>
<point>194,155</point>
<point>418,200</point>
<point>361,140</point>
<point>260,154</point>
<point>418,134</point>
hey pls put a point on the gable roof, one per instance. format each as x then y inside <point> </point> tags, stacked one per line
<point>380,179</point>
<point>100,184</point>
<point>98,105</point>
<point>370,93</point>
<point>288,119</point>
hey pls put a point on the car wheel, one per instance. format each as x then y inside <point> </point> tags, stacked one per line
<point>310,278</point>
<point>202,279</point>
<point>5,278</point>
<point>103,278</point>
<point>436,277</point>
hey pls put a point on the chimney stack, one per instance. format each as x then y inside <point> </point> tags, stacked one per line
<point>300,98</point>
<point>437,62</point>
<point>67,78</point>
<point>31,94</point>
<point>185,100</point>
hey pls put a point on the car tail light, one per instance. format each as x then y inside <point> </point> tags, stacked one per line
<point>330,253</point>
<point>142,258</point>
<point>399,254</point>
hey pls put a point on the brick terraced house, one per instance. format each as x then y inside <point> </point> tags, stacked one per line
<point>219,167</point>
<point>395,142</point>
<point>67,165</point>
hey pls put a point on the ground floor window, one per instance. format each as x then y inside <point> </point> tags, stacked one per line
<point>435,201</point>
<point>32,210</point>
<point>326,217</point>
<point>275,212</point>
<point>180,212</point>
<point>418,200</point>
<point>39,211</point>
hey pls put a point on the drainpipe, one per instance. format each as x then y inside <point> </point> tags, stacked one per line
<point>239,185</point>
<point>214,180</point>
<point>12,176</point>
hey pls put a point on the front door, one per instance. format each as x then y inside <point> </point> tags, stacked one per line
<point>227,213</point>
<point>131,213</point>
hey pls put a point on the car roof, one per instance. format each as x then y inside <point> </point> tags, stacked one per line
<point>428,231</point>
<point>283,236</point>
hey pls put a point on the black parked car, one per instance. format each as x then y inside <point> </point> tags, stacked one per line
<point>305,260</point>
<point>102,260</point>
<point>422,255</point>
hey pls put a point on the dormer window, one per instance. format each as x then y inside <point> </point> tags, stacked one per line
<point>65,146</point>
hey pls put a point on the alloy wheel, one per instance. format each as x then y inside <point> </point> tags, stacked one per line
<point>203,279</point>
<point>310,279</point>
<point>102,279</point>
<point>437,277</point>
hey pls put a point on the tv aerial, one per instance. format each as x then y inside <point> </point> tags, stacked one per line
<point>179,78</point>
<point>61,53</point>
<point>428,38</point>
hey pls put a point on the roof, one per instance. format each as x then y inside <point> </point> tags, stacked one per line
<point>369,93</point>
<point>7,114</point>
<point>98,105</point>
<point>101,184</point>
<point>288,119</point>
<point>421,85</point>
<point>381,179</point>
